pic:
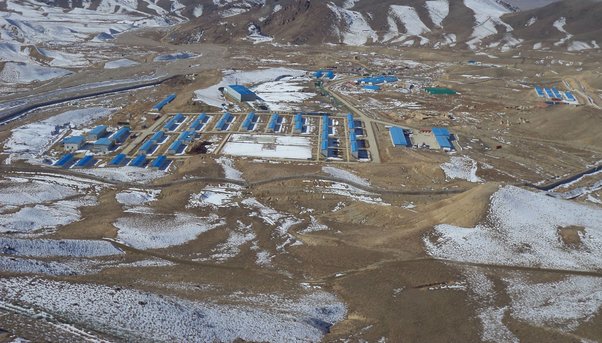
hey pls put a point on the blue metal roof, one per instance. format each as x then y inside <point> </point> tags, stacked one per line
<point>85,161</point>
<point>157,136</point>
<point>298,122</point>
<point>159,162</point>
<point>350,121</point>
<point>117,160</point>
<point>240,89</point>
<point>570,96</point>
<point>198,122</point>
<point>273,122</point>
<point>371,88</point>
<point>441,131</point>
<point>186,136</point>
<point>248,123</point>
<point>98,130</point>
<point>330,74</point>
<point>397,136</point>
<point>222,124</point>
<point>324,144</point>
<point>164,102</point>
<point>175,146</point>
<point>378,79</point>
<point>121,134</point>
<point>104,141</point>
<point>318,74</point>
<point>170,125</point>
<point>64,160</point>
<point>443,142</point>
<point>147,146</point>
<point>354,147</point>
<point>74,140</point>
<point>138,161</point>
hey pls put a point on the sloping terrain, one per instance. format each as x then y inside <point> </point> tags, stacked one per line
<point>464,23</point>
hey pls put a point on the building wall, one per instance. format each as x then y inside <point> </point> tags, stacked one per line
<point>72,147</point>
<point>102,148</point>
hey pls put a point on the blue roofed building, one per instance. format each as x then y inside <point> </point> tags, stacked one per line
<point>376,80</point>
<point>240,93</point>
<point>273,122</point>
<point>199,122</point>
<point>164,102</point>
<point>73,143</point>
<point>147,147</point>
<point>158,137</point>
<point>176,147</point>
<point>118,160</point>
<point>398,137</point>
<point>64,161</point>
<point>96,133</point>
<point>187,136</point>
<point>298,128</point>
<point>159,163</point>
<point>85,162</point>
<point>224,122</point>
<point>120,135</point>
<point>103,145</point>
<point>443,137</point>
<point>249,123</point>
<point>138,161</point>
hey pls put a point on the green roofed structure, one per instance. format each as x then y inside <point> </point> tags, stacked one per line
<point>440,91</point>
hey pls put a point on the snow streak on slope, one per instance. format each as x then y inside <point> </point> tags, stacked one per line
<point>19,72</point>
<point>411,21</point>
<point>438,10</point>
<point>356,30</point>
<point>559,25</point>
<point>525,229</point>
<point>32,22</point>
<point>461,167</point>
<point>144,231</point>
<point>140,316</point>
<point>487,15</point>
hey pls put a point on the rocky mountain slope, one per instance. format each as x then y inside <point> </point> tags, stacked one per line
<point>473,24</point>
